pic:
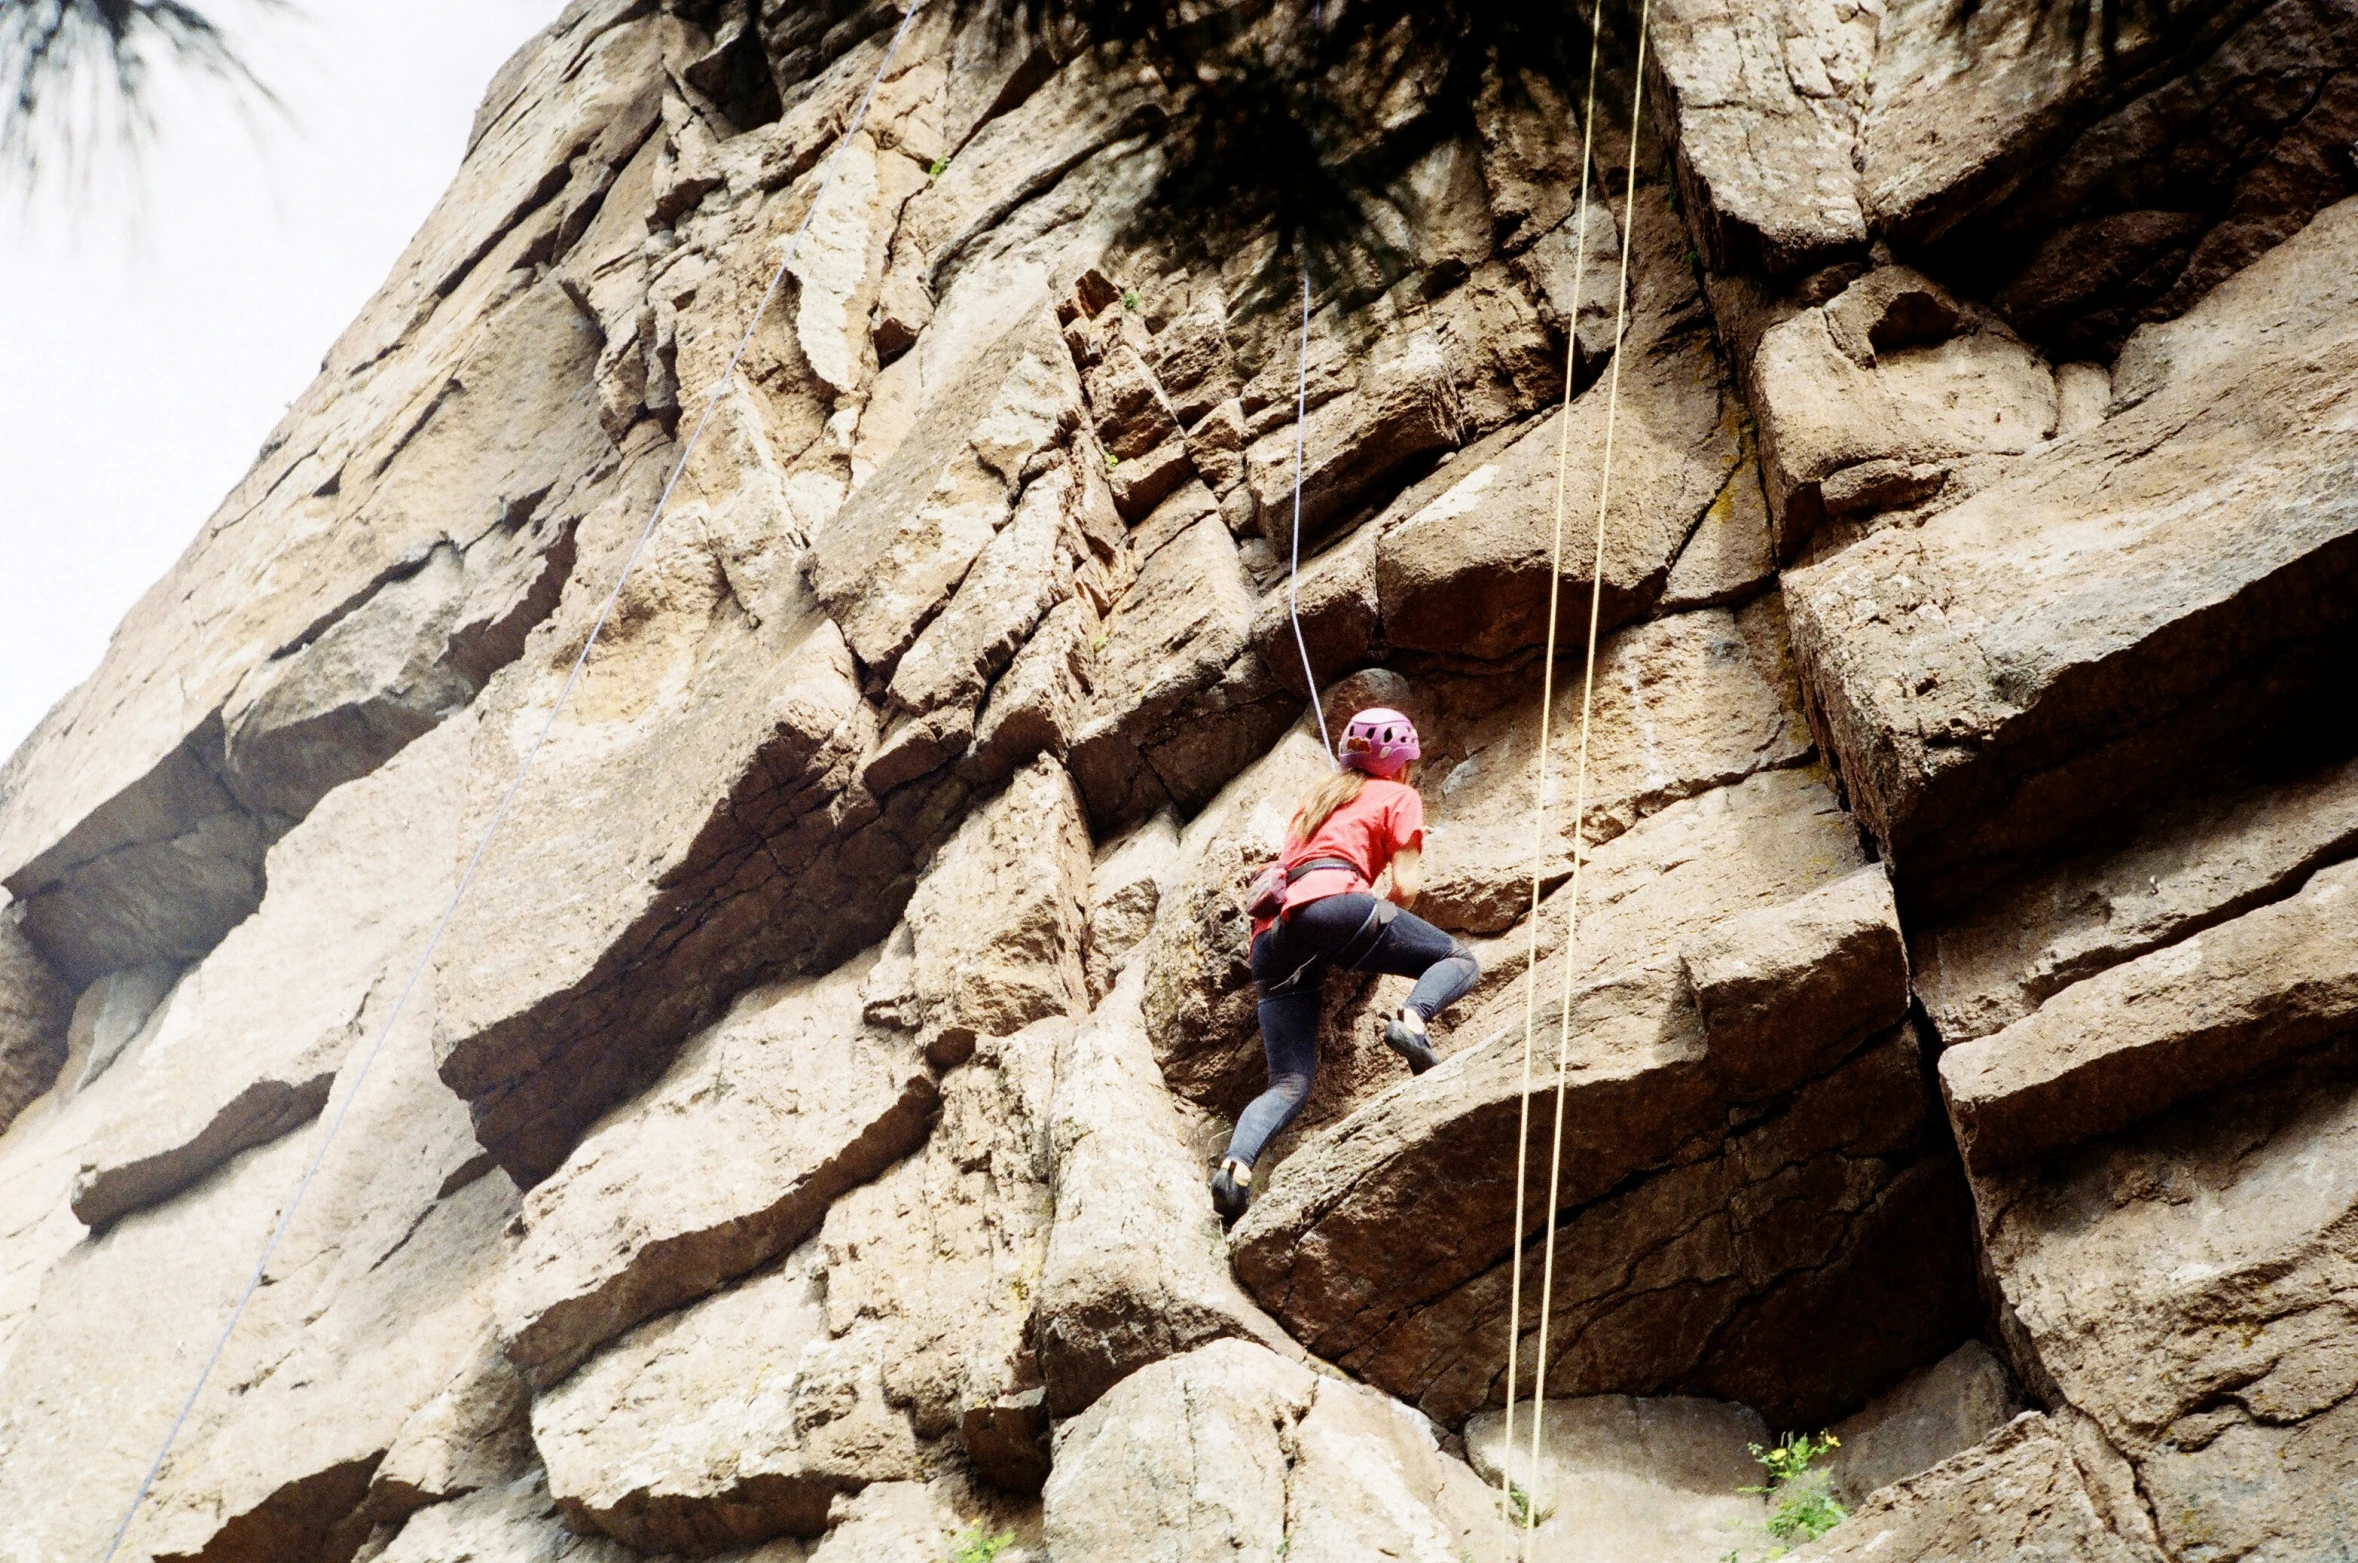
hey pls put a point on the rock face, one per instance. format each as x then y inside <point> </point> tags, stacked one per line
<point>793,1148</point>
<point>35,1008</point>
<point>1232,1451</point>
<point>1653,1481</point>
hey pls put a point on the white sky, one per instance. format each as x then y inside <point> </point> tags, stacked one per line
<point>153,326</point>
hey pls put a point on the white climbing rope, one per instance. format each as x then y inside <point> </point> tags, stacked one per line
<point>1547,707</point>
<point>1596,597</point>
<point>1293,569</point>
<point>499,815</point>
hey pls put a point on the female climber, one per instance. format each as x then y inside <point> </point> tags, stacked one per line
<point>1315,909</point>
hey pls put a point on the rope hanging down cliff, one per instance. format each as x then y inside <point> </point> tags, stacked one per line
<point>1293,569</point>
<point>368,1059</point>
<point>1530,1514</point>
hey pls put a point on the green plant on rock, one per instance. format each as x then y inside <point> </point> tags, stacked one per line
<point>1524,1510</point>
<point>938,167</point>
<point>1802,1506</point>
<point>977,1545</point>
<point>1130,300</point>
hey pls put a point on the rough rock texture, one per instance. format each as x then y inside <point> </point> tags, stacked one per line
<point>2209,1011</point>
<point>2018,1495</point>
<point>2195,865</point>
<point>730,1421</point>
<point>1231,1451</point>
<point>795,1149</point>
<point>731,1159</point>
<point>2203,1323</point>
<point>248,1042</point>
<point>1990,681</point>
<point>1134,1271</point>
<point>1650,1481</point>
<point>1925,1418</point>
<point>35,1012</point>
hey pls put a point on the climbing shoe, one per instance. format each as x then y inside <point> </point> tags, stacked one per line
<point>1232,1190</point>
<point>1405,1034</point>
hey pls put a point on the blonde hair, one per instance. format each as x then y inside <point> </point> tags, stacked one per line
<point>1318,805</point>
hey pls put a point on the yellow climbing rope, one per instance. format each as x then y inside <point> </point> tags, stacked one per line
<point>1530,1508</point>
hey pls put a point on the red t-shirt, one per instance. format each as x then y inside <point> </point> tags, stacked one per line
<point>1387,817</point>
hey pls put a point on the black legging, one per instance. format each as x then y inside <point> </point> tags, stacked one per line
<point>1290,963</point>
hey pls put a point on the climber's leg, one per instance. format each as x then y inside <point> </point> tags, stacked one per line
<point>1444,970</point>
<point>1290,972</point>
<point>1289,1035</point>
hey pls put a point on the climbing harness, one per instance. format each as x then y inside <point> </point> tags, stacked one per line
<point>1530,1516</point>
<point>523,769</point>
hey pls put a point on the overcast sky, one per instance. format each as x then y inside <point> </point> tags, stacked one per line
<point>153,328</point>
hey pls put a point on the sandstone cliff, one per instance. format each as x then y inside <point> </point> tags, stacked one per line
<point>797,1145</point>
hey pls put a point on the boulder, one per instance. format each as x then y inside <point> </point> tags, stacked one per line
<point>783,1105</point>
<point>1383,1241</point>
<point>892,556</point>
<point>36,1009</point>
<point>1786,990</point>
<point>113,1011</point>
<point>1624,1480</point>
<point>728,1422</point>
<point>2185,1285</point>
<point>1730,555</point>
<point>1230,1451</point>
<point>1991,681</point>
<point>1179,702</point>
<point>1403,409</point>
<point>1024,572</point>
<point>1466,572</point>
<point>1125,892</point>
<point>1334,600</point>
<point>838,265</point>
<point>937,1263</point>
<point>2086,191</point>
<point>2211,1010</point>
<point>2191,866</point>
<point>1933,1413</point>
<point>1761,105</point>
<point>997,921</point>
<point>1864,400</point>
<point>515,1522</point>
<point>1037,705</point>
<point>250,1040</point>
<point>1959,115</point>
<point>1134,1271</point>
<point>2017,1495</point>
<point>667,850</point>
<point>890,1522</point>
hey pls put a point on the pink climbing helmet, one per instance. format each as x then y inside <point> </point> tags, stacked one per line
<point>1379,741</point>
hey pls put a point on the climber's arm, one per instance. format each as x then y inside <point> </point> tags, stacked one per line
<point>1408,870</point>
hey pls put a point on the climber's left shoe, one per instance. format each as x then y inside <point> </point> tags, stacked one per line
<point>1405,1034</point>
<point>1232,1190</point>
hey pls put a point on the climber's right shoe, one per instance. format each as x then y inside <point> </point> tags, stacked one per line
<point>1232,1190</point>
<point>1405,1034</point>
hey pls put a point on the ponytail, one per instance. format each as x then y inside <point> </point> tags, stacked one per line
<point>1328,794</point>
